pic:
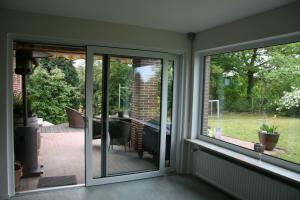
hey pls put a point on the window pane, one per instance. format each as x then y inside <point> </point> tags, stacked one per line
<point>169,114</point>
<point>134,109</point>
<point>97,109</point>
<point>253,96</point>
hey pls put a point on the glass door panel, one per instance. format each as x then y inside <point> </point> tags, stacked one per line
<point>125,99</point>
<point>96,114</point>
<point>169,112</point>
<point>134,108</point>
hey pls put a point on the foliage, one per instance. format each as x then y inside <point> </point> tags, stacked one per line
<point>81,77</point>
<point>71,75</point>
<point>119,74</point>
<point>97,87</point>
<point>170,88</point>
<point>254,80</point>
<point>18,104</point>
<point>50,94</point>
<point>290,102</point>
<point>270,129</point>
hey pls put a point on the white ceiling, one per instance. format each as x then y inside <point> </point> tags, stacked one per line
<point>174,15</point>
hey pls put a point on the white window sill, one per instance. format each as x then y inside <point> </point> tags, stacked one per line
<point>276,170</point>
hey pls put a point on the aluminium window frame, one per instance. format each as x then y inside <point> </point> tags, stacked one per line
<point>199,88</point>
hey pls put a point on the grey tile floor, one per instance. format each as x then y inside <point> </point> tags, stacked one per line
<point>168,187</point>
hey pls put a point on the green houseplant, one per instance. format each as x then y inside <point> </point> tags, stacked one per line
<point>120,112</point>
<point>18,111</point>
<point>268,136</point>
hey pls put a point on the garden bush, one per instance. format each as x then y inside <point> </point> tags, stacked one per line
<point>50,94</point>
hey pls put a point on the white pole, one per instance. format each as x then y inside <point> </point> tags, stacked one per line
<point>119,95</point>
<point>218,108</point>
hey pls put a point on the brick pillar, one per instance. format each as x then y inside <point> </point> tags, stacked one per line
<point>17,79</point>
<point>206,95</point>
<point>144,96</point>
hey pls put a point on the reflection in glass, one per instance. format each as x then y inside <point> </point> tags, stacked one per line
<point>97,106</point>
<point>134,108</point>
<point>169,116</point>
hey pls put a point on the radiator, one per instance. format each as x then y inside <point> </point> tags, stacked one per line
<point>241,182</point>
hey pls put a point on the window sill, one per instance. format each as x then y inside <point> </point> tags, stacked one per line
<point>248,161</point>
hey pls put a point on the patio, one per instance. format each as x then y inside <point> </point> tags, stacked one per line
<point>62,154</point>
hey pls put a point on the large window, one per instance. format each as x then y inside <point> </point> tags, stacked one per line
<point>253,96</point>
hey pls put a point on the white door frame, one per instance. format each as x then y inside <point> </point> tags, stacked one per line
<point>8,55</point>
<point>91,51</point>
<point>176,59</point>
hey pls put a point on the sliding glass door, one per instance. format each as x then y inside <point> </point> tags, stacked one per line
<point>126,114</point>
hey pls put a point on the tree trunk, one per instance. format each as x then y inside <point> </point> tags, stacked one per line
<point>250,76</point>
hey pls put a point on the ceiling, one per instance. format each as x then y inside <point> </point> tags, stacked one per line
<point>174,15</point>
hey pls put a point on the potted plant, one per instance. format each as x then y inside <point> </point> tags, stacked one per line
<point>268,136</point>
<point>18,173</point>
<point>120,112</point>
<point>18,112</point>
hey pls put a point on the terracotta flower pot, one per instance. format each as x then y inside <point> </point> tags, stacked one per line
<point>18,173</point>
<point>268,140</point>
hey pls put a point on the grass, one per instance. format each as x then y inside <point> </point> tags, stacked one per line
<point>245,127</point>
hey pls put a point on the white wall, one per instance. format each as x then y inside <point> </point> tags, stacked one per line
<point>74,31</point>
<point>272,23</point>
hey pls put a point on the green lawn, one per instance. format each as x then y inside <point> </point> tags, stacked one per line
<point>245,127</point>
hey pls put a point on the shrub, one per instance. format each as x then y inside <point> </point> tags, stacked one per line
<point>69,71</point>
<point>290,102</point>
<point>50,94</point>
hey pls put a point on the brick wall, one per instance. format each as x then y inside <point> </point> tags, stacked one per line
<point>144,96</point>
<point>17,80</point>
<point>206,95</point>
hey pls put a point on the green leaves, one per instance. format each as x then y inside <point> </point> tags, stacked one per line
<point>69,72</point>
<point>257,77</point>
<point>50,94</point>
<point>268,129</point>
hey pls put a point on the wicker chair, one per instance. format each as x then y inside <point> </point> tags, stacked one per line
<point>119,132</point>
<point>97,129</point>
<point>75,118</point>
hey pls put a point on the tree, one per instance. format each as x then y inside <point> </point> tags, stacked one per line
<point>259,75</point>
<point>170,87</point>
<point>245,63</point>
<point>71,75</point>
<point>119,74</point>
<point>97,87</point>
<point>289,103</point>
<point>50,94</point>
<point>81,76</point>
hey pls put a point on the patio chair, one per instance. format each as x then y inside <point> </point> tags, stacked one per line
<point>119,132</point>
<point>75,118</point>
<point>97,128</point>
<point>151,140</point>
